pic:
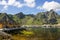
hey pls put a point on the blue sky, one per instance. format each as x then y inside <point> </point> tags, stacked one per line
<point>29,6</point>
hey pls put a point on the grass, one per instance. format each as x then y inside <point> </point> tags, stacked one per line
<point>27,33</point>
<point>38,34</point>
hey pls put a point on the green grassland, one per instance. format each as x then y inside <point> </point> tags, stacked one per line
<point>36,34</point>
<point>39,34</point>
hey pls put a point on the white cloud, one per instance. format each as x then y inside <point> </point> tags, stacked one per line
<point>18,4</point>
<point>15,3</point>
<point>5,7</point>
<point>39,7</point>
<point>11,2</point>
<point>30,3</point>
<point>3,2</point>
<point>50,5</point>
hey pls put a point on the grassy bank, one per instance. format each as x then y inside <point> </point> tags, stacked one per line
<point>39,34</point>
<point>36,34</point>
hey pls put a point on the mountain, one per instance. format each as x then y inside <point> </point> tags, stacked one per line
<point>5,20</point>
<point>48,17</point>
<point>20,15</point>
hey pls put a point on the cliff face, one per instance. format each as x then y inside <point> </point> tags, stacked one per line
<point>5,20</point>
<point>20,15</point>
<point>49,17</point>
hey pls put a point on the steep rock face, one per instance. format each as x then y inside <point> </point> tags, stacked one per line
<point>52,18</point>
<point>47,17</point>
<point>20,15</point>
<point>5,20</point>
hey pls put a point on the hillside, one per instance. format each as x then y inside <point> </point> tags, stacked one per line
<point>49,17</point>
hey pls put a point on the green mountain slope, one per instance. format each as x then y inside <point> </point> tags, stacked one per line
<point>49,17</point>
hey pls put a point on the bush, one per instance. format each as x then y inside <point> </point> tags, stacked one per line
<point>27,33</point>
